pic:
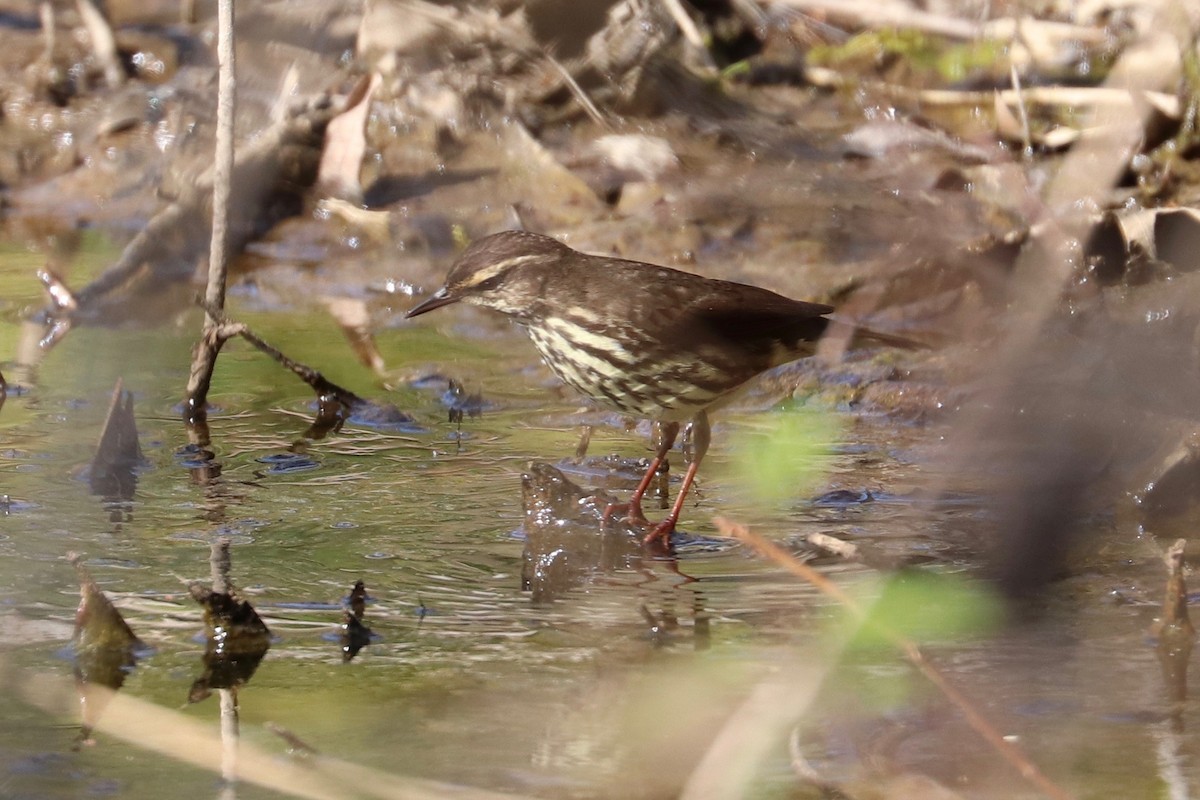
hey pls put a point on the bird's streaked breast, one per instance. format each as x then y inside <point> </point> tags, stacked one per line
<point>601,363</point>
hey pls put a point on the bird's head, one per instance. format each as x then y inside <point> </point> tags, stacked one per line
<point>497,272</point>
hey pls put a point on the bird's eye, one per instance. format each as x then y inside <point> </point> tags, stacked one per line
<point>488,284</point>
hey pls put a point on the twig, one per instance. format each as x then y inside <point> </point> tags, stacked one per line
<point>752,14</point>
<point>204,359</point>
<point>1100,98</point>
<point>218,256</point>
<point>873,15</point>
<point>104,43</point>
<point>578,93</point>
<point>691,33</point>
<point>1022,112</point>
<point>974,718</point>
<point>322,385</point>
<point>49,29</point>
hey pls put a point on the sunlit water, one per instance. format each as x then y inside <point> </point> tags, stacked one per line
<point>467,681</point>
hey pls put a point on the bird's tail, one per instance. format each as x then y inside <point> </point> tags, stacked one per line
<point>845,334</point>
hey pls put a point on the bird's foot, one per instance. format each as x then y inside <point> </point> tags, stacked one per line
<point>660,533</point>
<point>626,512</point>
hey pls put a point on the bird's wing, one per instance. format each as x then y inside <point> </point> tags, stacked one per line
<point>756,316</point>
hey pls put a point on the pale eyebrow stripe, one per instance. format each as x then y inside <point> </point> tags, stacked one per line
<point>492,270</point>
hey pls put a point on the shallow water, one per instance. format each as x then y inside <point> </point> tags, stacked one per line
<point>466,681</point>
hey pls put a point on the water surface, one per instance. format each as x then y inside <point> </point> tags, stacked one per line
<point>467,681</point>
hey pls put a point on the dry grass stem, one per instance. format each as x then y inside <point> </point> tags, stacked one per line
<point>178,736</point>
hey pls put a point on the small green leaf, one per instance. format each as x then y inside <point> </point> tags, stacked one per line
<point>787,456</point>
<point>927,607</point>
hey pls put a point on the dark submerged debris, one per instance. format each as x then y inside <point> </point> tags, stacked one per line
<point>296,745</point>
<point>658,627</point>
<point>288,463</point>
<point>230,621</point>
<point>462,403</point>
<point>355,634</point>
<point>106,649</point>
<point>113,473</point>
<point>236,638</point>
<point>357,599</point>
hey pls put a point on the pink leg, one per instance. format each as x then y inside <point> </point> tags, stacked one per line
<point>701,435</point>
<point>664,436</point>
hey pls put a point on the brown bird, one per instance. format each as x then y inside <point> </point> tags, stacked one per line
<point>640,339</point>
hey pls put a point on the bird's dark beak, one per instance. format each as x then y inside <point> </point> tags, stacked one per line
<point>440,298</point>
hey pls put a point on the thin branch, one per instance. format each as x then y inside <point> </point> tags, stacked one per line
<point>218,257</point>
<point>578,93</point>
<point>204,359</point>
<point>691,34</point>
<point>49,30</point>
<point>873,15</point>
<point>1022,112</point>
<point>104,42</point>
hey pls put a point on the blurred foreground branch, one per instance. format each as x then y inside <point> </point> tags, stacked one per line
<point>1010,752</point>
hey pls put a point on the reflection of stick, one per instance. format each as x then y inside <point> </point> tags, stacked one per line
<point>974,718</point>
<point>219,563</point>
<point>229,735</point>
<point>1174,630</point>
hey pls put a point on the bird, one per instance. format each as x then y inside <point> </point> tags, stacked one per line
<point>640,339</point>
